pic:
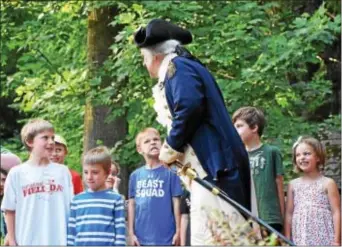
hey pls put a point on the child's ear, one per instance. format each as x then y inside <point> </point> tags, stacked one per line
<point>29,143</point>
<point>255,128</point>
<point>139,149</point>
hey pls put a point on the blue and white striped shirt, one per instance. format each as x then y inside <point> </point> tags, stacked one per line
<point>97,219</point>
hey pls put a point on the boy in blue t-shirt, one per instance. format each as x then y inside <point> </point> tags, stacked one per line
<point>97,215</point>
<point>154,197</point>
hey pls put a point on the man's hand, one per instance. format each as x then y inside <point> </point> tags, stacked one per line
<point>168,155</point>
<point>176,239</point>
<point>133,240</point>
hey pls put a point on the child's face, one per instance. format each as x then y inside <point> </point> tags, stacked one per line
<point>306,158</point>
<point>245,132</point>
<point>2,183</point>
<point>150,145</point>
<point>59,153</point>
<point>95,176</point>
<point>42,144</point>
<point>111,178</point>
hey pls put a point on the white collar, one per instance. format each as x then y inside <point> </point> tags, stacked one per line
<point>164,65</point>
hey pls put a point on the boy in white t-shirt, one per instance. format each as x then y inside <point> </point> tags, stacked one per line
<point>37,193</point>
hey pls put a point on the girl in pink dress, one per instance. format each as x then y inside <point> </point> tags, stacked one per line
<point>313,202</point>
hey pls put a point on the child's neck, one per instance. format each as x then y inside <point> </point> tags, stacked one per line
<point>102,188</point>
<point>152,163</point>
<point>38,161</point>
<point>253,144</point>
<point>311,175</point>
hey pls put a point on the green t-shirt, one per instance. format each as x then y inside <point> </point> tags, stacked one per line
<point>266,165</point>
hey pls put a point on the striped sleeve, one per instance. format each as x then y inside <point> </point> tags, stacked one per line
<point>72,225</point>
<point>120,226</point>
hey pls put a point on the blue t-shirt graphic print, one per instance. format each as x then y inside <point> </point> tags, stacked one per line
<point>152,190</point>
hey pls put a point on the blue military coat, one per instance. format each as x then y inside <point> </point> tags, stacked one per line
<point>201,119</point>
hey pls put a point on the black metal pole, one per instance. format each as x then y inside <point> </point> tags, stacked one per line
<point>186,170</point>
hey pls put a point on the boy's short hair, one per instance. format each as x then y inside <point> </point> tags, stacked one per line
<point>60,140</point>
<point>99,155</point>
<point>33,128</point>
<point>141,134</point>
<point>317,147</point>
<point>253,116</point>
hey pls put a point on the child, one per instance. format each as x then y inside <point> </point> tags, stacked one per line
<point>8,160</point>
<point>265,164</point>
<point>59,154</point>
<point>113,181</point>
<point>97,215</point>
<point>154,191</point>
<point>37,193</point>
<point>313,207</point>
<point>185,219</point>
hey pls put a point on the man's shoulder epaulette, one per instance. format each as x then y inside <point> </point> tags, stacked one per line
<point>171,70</point>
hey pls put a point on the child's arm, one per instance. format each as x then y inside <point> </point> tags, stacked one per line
<point>116,184</point>
<point>280,189</point>
<point>120,224</point>
<point>72,225</point>
<point>77,182</point>
<point>335,204</point>
<point>10,223</point>
<point>288,212</point>
<point>176,212</point>
<point>131,216</point>
<point>183,228</point>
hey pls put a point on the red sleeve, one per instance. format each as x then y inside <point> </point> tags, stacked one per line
<point>77,182</point>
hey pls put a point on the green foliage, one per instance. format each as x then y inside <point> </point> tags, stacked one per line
<point>251,49</point>
<point>50,76</point>
<point>257,52</point>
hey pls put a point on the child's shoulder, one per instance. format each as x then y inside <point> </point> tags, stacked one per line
<point>138,170</point>
<point>113,195</point>
<point>107,194</point>
<point>19,168</point>
<point>329,182</point>
<point>81,196</point>
<point>295,181</point>
<point>272,147</point>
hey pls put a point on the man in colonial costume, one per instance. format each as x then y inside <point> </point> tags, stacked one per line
<point>189,103</point>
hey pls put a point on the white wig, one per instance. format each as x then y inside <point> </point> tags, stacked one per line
<point>165,47</point>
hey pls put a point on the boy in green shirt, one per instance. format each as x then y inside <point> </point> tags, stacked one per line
<point>266,166</point>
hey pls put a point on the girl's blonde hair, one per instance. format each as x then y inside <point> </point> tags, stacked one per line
<point>33,128</point>
<point>316,146</point>
<point>99,155</point>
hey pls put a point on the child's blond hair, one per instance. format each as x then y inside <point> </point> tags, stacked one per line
<point>142,133</point>
<point>99,155</point>
<point>316,146</point>
<point>33,128</point>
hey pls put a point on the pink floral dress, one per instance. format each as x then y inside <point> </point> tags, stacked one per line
<point>312,222</point>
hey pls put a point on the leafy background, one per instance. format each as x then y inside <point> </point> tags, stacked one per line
<point>270,54</point>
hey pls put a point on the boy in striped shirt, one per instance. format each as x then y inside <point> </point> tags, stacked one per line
<point>97,214</point>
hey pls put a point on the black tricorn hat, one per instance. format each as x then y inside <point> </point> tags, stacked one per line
<point>158,30</point>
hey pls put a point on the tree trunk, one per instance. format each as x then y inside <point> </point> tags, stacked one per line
<point>97,129</point>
